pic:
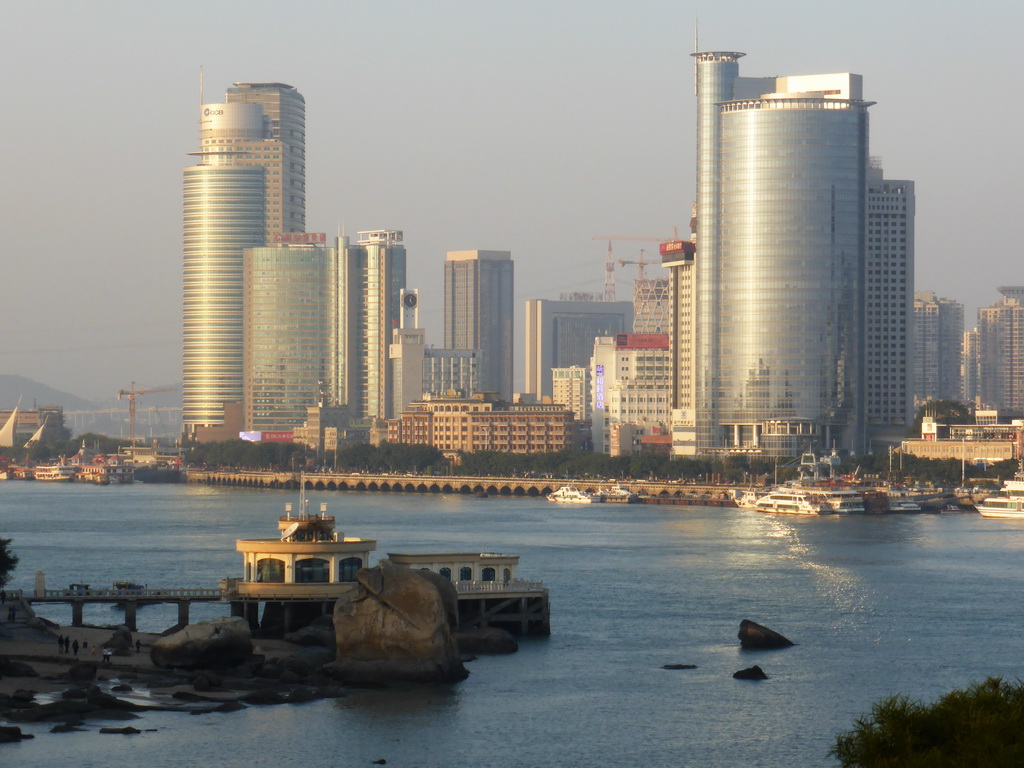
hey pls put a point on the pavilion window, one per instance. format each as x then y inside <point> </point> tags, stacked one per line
<point>270,570</point>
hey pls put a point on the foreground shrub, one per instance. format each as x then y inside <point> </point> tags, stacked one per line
<point>982,727</point>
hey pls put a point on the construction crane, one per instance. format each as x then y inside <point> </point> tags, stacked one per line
<point>640,264</point>
<point>609,265</point>
<point>131,394</point>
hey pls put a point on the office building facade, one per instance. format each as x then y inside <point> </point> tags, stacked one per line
<point>778,324</point>
<point>233,200</point>
<point>560,334</point>
<point>288,332</point>
<point>479,312</point>
<point>889,309</point>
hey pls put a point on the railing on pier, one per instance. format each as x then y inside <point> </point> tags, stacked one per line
<point>465,587</point>
<point>110,595</point>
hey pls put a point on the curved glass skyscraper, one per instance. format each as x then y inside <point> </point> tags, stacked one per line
<point>247,190</point>
<point>778,283</point>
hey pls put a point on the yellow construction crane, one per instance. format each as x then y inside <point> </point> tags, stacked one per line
<point>640,263</point>
<point>131,394</point>
<point>609,266</point>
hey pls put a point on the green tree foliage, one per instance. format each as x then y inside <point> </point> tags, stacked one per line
<point>982,726</point>
<point>944,412</point>
<point>244,453</point>
<point>8,561</point>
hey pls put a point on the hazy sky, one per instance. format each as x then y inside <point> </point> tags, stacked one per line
<point>523,126</point>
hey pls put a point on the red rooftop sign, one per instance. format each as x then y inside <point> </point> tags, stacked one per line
<point>641,341</point>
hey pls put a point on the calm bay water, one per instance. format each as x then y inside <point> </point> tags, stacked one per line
<point>878,605</point>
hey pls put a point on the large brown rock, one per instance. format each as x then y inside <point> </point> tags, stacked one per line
<point>120,643</point>
<point>207,644</point>
<point>756,637</point>
<point>397,626</point>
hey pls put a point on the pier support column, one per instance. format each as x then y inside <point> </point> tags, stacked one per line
<point>76,613</point>
<point>237,609</point>
<point>289,617</point>
<point>183,607</point>
<point>251,613</point>
<point>130,621</point>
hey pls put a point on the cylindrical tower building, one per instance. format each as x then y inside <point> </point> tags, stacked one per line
<point>778,329</point>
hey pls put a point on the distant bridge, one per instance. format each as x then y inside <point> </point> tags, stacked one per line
<point>668,491</point>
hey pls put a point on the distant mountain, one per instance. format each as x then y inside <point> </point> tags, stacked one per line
<point>32,393</point>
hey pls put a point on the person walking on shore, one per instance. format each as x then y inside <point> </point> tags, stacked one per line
<point>60,643</point>
<point>106,655</point>
<point>67,645</point>
<point>74,647</point>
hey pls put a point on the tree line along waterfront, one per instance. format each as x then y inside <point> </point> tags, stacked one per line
<point>426,460</point>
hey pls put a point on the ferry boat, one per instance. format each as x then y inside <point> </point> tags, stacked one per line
<point>619,495</point>
<point>56,473</point>
<point>837,501</point>
<point>569,495</point>
<point>749,499</point>
<point>791,501</point>
<point>1009,503</point>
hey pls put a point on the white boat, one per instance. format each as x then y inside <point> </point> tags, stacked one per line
<point>791,501</point>
<point>56,473</point>
<point>1009,503</point>
<point>569,495</point>
<point>836,501</point>
<point>904,506</point>
<point>749,499</point>
<point>619,495</point>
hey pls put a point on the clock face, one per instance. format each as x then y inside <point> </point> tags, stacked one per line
<point>409,300</point>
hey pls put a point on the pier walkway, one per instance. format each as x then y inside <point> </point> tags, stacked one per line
<point>129,599</point>
<point>520,606</point>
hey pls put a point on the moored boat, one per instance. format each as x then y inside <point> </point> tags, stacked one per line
<point>1009,504</point>
<point>56,473</point>
<point>619,495</point>
<point>792,502</point>
<point>567,494</point>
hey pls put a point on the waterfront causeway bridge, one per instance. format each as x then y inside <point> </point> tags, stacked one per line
<point>129,599</point>
<point>450,484</point>
<point>519,606</point>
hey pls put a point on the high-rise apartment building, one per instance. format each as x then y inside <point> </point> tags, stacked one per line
<point>571,387</point>
<point>970,368</point>
<point>478,312</point>
<point>371,276</point>
<point>776,354</point>
<point>938,348</point>
<point>251,161</point>
<point>889,308</point>
<point>560,334</point>
<point>1001,352</point>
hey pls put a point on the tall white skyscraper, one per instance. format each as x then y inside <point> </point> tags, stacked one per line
<point>371,276</point>
<point>247,190</point>
<point>778,335</point>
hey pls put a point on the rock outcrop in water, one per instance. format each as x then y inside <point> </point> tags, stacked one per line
<point>397,626</point>
<point>751,673</point>
<point>753,636</point>
<point>207,644</point>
